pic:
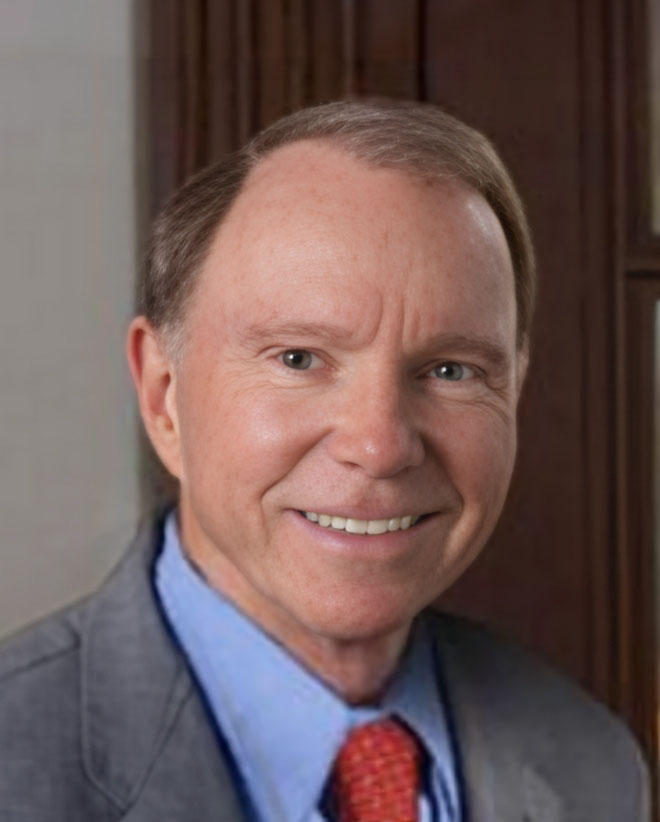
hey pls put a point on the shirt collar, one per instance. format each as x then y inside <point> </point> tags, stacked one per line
<point>283,724</point>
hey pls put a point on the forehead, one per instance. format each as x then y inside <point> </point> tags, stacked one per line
<point>319,185</point>
<point>327,232</point>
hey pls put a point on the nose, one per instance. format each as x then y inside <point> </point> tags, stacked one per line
<point>376,429</point>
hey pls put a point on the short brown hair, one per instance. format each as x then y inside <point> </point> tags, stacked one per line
<point>418,138</point>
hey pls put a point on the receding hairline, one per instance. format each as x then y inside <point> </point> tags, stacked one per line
<point>442,183</point>
<point>336,145</point>
<point>422,141</point>
<point>449,184</point>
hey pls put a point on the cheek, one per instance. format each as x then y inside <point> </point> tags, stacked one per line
<point>479,447</point>
<point>241,442</point>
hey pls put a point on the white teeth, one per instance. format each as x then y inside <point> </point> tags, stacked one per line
<point>361,526</point>
<point>356,526</point>
<point>377,526</point>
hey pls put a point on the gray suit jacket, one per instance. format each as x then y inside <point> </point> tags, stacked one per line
<point>100,721</point>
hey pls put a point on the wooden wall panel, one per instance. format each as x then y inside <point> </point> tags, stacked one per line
<point>544,81</point>
<point>327,51</point>
<point>222,69</point>
<point>387,49</point>
<point>177,79</point>
<point>637,281</point>
<point>639,678</point>
<point>228,98</point>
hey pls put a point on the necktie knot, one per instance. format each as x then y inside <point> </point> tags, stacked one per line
<point>377,774</point>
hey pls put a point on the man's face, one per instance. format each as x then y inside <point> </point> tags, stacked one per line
<point>351,356</point>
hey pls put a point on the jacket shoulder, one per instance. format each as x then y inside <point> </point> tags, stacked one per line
<point>38,644</point>
<point>39,687</point>
<point>42,769</point>
<point>576,743</point>
<point>514,676</point>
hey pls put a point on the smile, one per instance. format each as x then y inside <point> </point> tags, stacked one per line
<point>361,526</point>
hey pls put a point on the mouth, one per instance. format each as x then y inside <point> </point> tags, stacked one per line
<point>350,525</point>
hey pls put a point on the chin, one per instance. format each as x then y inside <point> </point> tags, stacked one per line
<point>358,620</point>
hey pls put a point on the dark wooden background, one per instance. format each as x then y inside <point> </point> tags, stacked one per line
<point>561,87</point>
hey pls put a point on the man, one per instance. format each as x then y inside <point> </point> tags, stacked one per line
<point>333,337</point>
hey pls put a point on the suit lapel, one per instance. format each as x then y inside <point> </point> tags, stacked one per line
<point>500,784</point>
<point>189,780</point>
<point>148,743</point>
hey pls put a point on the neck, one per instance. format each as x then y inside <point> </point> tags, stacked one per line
<point>358,670</point>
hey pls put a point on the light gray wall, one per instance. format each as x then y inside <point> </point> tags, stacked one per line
<point>68,491</point>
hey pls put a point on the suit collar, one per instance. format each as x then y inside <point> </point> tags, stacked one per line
<point>147,741</point>
<point>500,783</point>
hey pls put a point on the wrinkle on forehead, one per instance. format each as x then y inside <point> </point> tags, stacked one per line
<point>323,235</point>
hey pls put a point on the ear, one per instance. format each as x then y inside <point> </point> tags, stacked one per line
<point>155,383</point>
<point>522,363</point>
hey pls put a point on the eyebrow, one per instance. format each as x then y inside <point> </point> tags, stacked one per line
<point>258,332</point>
<point>470,344</point>
<point>459,344</point>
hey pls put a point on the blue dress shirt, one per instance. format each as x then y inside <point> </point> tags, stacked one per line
<point>283,725</point>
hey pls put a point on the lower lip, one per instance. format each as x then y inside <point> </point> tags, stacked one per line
<point>390,543</point>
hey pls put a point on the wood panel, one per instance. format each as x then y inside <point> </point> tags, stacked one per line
<point>387,57</point>
<point>637,254</point>
<point>178,94</point>
<point>551,83</point>
<point>638,679</point>
<point>222,69</point>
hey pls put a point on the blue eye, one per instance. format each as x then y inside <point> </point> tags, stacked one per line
<point>453,371</point>
<point>297,358</point>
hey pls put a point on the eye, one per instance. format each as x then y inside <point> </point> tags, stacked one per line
<point>453,372</point>
<point>298,359</point>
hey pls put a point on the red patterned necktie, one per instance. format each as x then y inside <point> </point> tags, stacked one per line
<point>377,774</point>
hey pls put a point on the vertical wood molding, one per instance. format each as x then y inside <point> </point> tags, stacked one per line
<point>297,34</point>
<point>638,105</point>
<point>246,91</point>
<point>325,50</point>
<point>422,47</point>
<point>637,286</point>
<point>638,679</point>
<point>387,49</point>
<point>597,346</point>
<point>193,88</point>
<point>178,93</point>
<point>349,34</point>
